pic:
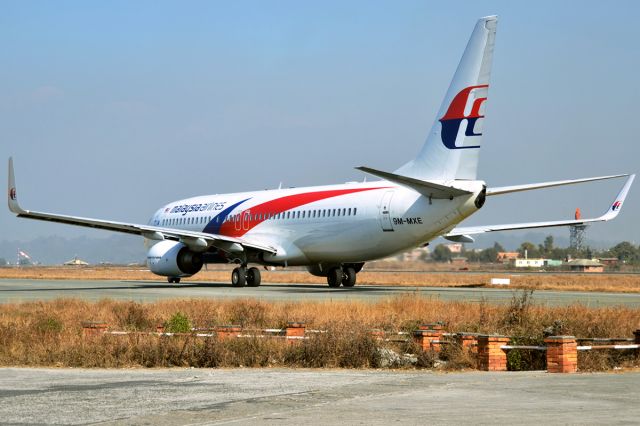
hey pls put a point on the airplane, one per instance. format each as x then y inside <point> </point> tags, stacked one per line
<point>333,230</point>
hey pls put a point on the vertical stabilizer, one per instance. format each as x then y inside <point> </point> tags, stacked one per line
<point>452,148</point>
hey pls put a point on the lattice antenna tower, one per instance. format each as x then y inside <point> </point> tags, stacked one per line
<point>577,233</point>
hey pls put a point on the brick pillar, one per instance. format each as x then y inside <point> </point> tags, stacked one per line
<point>295,329</point>
<point>562,354</point>
<point>94,328</point>
<point>428,339</point>
<point>377,334</point>
<point>160,328</point>
<point>468,341</point>
<point>227,331</point>
<point>431,326</point>
<point>490,356</point>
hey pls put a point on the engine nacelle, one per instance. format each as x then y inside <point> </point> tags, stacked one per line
<point>173,259</point>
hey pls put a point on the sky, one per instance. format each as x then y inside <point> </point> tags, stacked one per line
<point>111,109</point>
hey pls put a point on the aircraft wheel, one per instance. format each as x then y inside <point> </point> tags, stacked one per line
<point>334,277</point>
<point>239,277</point>
<point>253,277</point>
<point>173,280</point>
<point>348,277</point>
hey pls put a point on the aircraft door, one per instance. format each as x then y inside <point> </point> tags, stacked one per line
<point>385,212</point>
<point>246,220</point>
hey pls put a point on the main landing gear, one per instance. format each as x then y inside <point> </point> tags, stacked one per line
<point>345,276</point>
<point>242,276</point>
<point>173,280</point>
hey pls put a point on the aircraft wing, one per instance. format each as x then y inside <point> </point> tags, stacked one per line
<point>462,233</point>
<point>198,241</point>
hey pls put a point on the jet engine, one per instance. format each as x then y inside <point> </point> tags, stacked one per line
<point>173,259</point>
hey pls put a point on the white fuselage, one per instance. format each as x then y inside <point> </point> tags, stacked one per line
<point>353,222</point>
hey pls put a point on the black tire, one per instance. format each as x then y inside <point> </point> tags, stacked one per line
<point>173,280</point>
<point>348,277</point>
<point>334,277</point>
<point>239,277</point>
<point>253,277</point>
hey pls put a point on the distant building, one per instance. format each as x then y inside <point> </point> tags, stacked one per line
<point>76,262</point>
<point>459,260</point>
<point>585,265</point>
<point>415,254</point>
<point>528,263</point>
<point>454,247</point>
<point>552,262</point>
<point>507,256</point>
<point>609,261</point>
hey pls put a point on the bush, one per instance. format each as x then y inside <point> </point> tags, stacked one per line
<point>179,323</point>
<point>132,316</point>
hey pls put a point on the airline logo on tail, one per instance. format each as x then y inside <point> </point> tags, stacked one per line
<point>455,114</point>
<point>12,193</point>
<point>616,206</point>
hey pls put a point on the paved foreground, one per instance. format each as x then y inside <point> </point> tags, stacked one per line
<point>12,290</point>
<point>265,396</point>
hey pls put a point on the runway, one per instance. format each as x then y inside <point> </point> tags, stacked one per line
<point>293,397</point>
<point>13,291</point>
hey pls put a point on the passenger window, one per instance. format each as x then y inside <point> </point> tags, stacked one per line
<point>354,211</point>
<point>344,212</point>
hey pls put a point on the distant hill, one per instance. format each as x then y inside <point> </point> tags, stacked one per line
<point>124,249</point>
<point>54,250</point>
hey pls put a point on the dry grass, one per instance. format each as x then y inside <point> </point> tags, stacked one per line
<point>50,334</point>
<point>621,283</point>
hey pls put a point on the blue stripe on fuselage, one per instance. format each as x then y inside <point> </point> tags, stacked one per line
<point>213,227</point>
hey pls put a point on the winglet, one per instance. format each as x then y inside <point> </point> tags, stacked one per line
<point>616,206</point>
<point>12,193</point>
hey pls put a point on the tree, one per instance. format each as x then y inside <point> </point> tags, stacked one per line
<point>626,252</point>
<point>529,248</point>
<point>489,254</point>
<point>441,253</point>
<point>548,244</point>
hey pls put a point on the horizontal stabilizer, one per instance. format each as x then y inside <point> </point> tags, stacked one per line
<point>530,186</point>
<point>426,188</point>
<point>611,213</point>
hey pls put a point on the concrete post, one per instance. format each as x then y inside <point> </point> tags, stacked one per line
<point>562,354</point>
<point>490,355</point>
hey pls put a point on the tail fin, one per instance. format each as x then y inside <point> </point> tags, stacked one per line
<point>453,146</point>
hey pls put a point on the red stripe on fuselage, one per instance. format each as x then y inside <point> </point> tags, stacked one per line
<point>248,219</point>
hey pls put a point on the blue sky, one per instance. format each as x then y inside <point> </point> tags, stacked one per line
<point>114,108</point>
